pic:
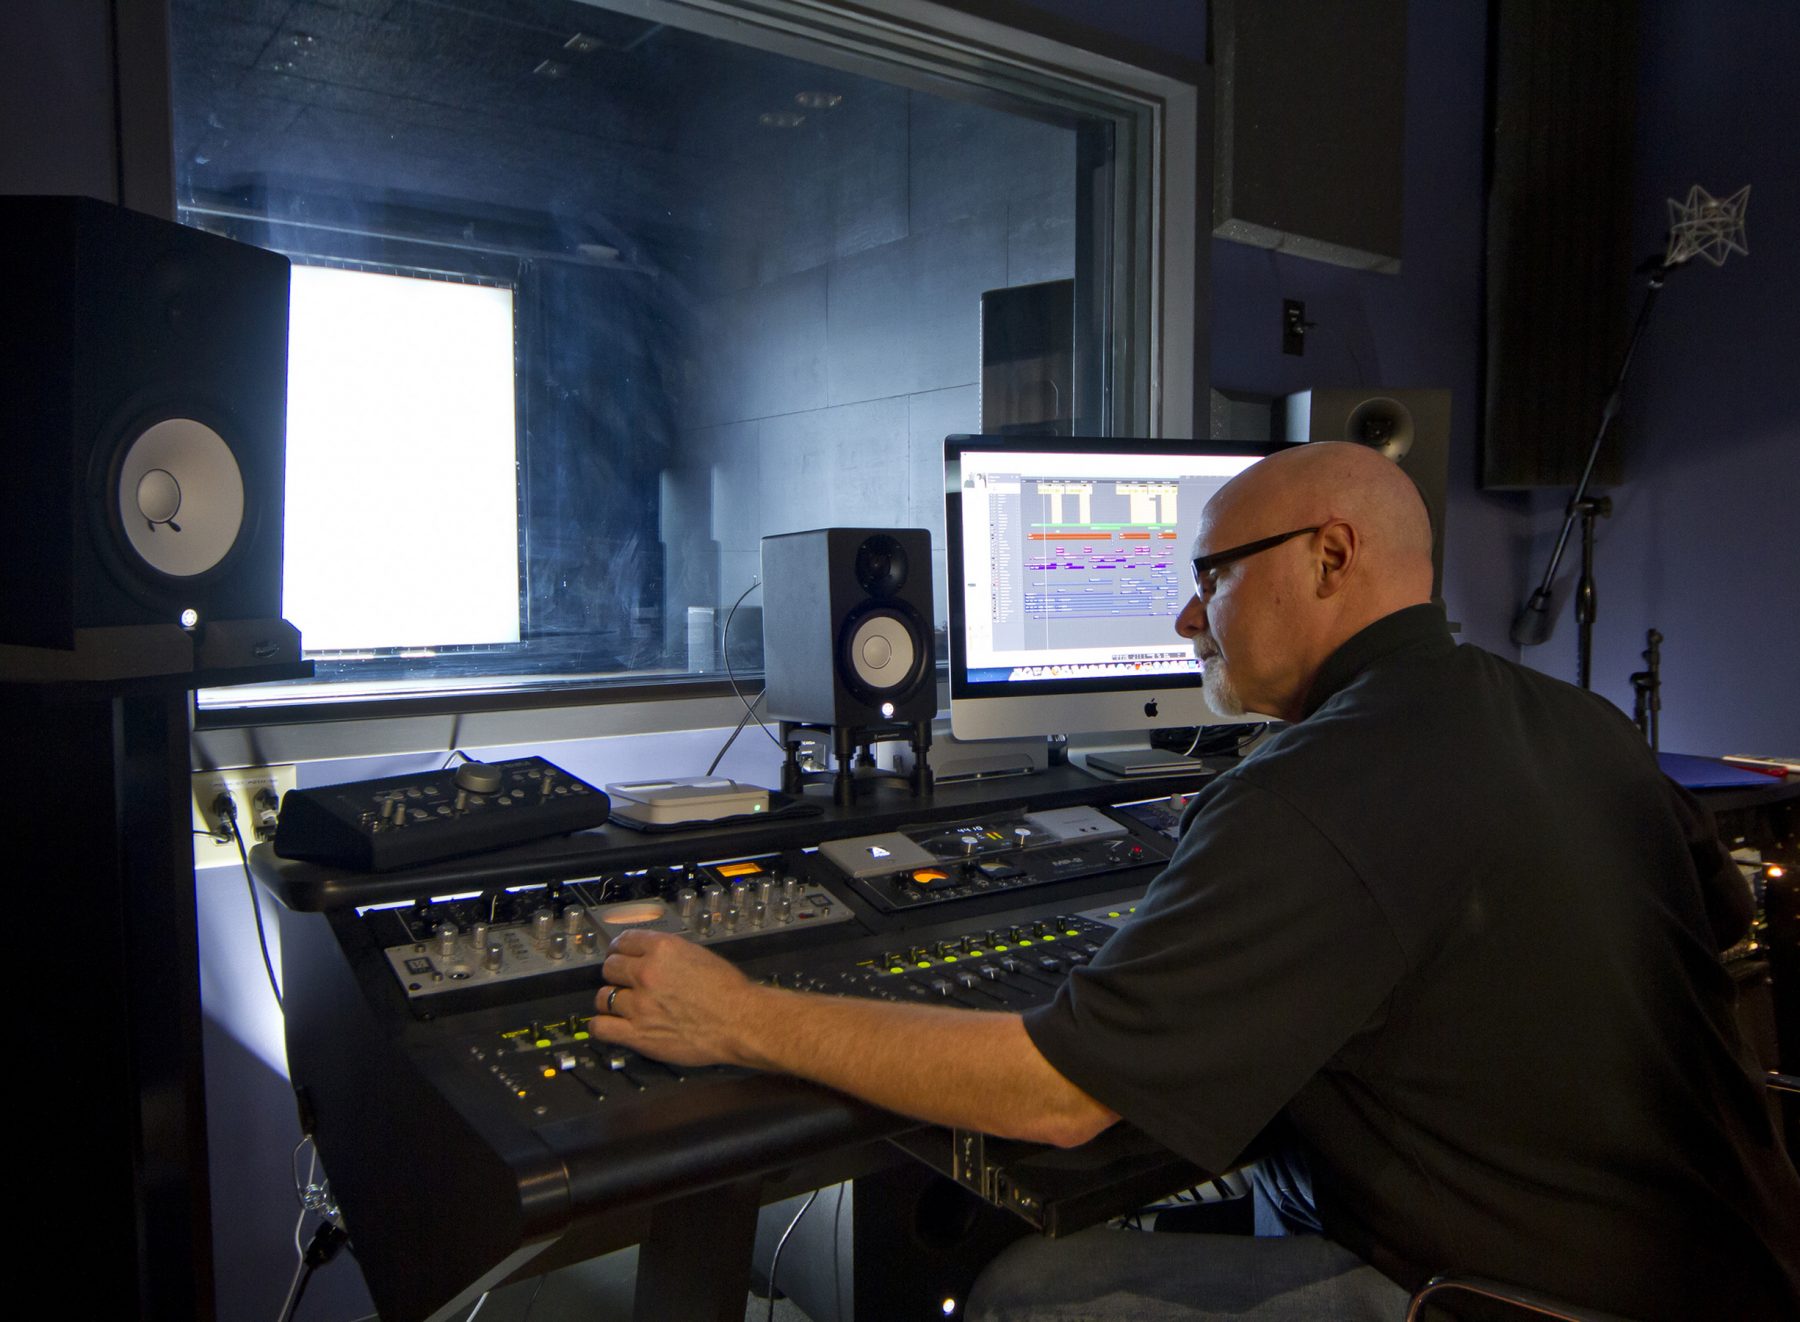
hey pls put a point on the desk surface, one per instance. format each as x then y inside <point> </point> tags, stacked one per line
<point>311,887</point>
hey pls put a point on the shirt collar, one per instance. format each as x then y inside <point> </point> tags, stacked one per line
<point>1409,627</point>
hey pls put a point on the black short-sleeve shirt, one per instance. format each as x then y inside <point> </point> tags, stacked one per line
<point>1450,926</point>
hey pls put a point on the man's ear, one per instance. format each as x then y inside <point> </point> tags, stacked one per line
<point>1337,546</point>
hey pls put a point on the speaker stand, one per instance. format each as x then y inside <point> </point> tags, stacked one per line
<point>103,810</point>
<point>852,747</point>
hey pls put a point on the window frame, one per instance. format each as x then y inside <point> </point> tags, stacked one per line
<point>1147,207</point>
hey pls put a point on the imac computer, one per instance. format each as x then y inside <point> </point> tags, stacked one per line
<point>1068,560</point>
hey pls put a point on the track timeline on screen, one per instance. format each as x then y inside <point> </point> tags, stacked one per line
<point>1067,565</point>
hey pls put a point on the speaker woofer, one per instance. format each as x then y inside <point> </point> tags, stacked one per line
<point>179,497</point>
<point>882,653</point>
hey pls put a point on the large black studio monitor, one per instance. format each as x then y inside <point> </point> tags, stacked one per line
<point>847,627</point>
<point>1411,427</point>
<point>144,411</point>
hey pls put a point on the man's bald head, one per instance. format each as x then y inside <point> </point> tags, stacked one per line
<point>1312,484</point>
<point>1270,620</point>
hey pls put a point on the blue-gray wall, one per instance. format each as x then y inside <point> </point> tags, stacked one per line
<point>1702,544</point>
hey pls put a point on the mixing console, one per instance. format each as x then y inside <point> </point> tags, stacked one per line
<point>554,1070</point>
<point>937,863</point>
<point>504,936</point>
<point>440,1046</point>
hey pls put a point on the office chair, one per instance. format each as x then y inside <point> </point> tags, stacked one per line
<point>1530,1303</point>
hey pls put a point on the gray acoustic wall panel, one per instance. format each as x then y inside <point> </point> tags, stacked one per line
<point>1308,144</point>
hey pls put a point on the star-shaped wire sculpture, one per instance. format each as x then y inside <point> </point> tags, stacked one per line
<point>1707,226</point>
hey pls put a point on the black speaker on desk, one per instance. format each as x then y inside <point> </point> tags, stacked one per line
<point>847,632</point>
<point>144,407</point>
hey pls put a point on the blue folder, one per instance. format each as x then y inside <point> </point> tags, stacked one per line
<point>1709,773</point>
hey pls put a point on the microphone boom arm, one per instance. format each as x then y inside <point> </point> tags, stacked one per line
<point>1532,625</point>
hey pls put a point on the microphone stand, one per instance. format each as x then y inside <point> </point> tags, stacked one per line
<point>1646,685</point>
<point>1532,624</point>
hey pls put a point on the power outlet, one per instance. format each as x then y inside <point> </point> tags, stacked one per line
<point>255,819</point>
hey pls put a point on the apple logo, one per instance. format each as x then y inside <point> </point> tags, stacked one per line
<point>1150,707</point>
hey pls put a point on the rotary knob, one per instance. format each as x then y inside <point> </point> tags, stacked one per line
<point>559,946</point>
<point>687,903</point>
<point>446,939</point>
<point>574,919</point>
<point>478,777</point>
<point>493,957</point>
<point>542,921</point>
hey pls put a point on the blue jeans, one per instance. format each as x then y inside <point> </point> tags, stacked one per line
<point>1287,1273</point>
<point>1103,1275</point>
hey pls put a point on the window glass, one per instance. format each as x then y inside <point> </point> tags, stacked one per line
<point>676,293</point>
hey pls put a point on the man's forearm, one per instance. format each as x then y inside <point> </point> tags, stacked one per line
<point>964,1068</point>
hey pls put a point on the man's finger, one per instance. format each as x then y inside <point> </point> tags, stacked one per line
<point>609,1028</point>
<point>619,970</point>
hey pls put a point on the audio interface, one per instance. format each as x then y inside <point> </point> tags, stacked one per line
<point>933,864</point>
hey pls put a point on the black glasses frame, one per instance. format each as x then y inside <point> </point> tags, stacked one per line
<point>1206,564</point>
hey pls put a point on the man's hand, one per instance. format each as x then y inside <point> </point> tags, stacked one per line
<point>972,1069</point>
<point>672,1000</point>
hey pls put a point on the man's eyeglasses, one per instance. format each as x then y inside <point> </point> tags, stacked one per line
<point>1206,567</point>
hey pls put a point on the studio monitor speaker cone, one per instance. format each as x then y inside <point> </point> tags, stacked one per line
<point>145,409</point>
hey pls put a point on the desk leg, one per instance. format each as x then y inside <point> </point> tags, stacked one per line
<point>695,1262</point>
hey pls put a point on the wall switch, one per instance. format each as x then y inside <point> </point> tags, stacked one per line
<point>257,793</point>
<point>1294,326</point>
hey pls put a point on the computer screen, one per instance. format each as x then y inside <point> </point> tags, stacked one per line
<point>1068,560</point>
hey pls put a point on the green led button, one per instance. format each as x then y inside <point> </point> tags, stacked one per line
<point>1025,941</point>
<point>897,969</point>
<point>541,1042</point>
<point>581,1035</point>
<point>1071,932</point>
<point>924,963</point>
<point>949,959</point>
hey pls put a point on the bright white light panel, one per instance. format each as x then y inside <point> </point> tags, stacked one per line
<point>402,463</point>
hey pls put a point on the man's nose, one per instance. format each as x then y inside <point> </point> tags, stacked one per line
<point>1192,620</point>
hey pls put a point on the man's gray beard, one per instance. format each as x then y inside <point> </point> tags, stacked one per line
<point>1216,684</point>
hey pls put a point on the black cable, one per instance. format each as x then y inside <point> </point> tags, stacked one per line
<point>780,1244</point>
<point>837,1278</point>
<point>731,675</point>
<point>736,731</point>
<point>227,810</point>
<point>321,1249</point>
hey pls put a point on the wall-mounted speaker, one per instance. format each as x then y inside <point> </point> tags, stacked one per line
<point>144,406</point>
<point>1411,427</point>
<point>847,627</point>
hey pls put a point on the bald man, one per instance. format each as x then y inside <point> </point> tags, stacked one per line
<point>1449,940</point>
